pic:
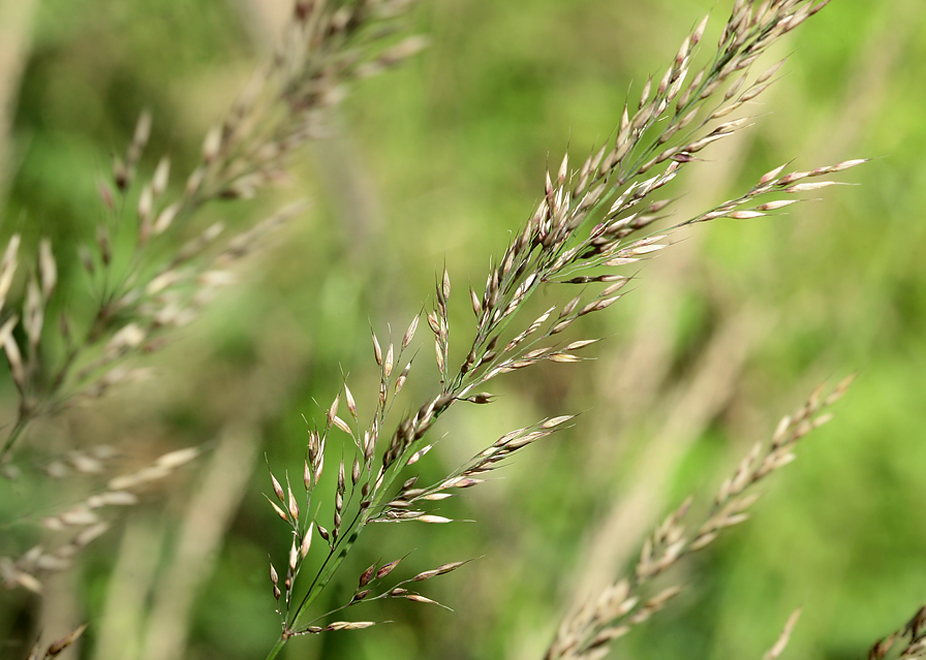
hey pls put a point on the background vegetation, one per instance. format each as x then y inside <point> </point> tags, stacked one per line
<point>435,163</point>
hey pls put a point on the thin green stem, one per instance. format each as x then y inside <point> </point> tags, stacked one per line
<point>21,423</point>
<point>280,643</point>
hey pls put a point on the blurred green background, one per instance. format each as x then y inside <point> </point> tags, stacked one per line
<point>436,163</point>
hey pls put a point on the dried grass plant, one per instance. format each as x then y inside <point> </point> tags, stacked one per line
<point>598,215</point>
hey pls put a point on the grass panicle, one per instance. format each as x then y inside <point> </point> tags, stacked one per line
<point>583,231</point>
<point>138,301</point>
<point>596,215</point>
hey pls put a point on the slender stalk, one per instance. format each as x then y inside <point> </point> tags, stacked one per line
<point>21,423</point>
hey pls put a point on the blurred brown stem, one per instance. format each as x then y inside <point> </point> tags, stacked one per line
<point>16,19</point>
